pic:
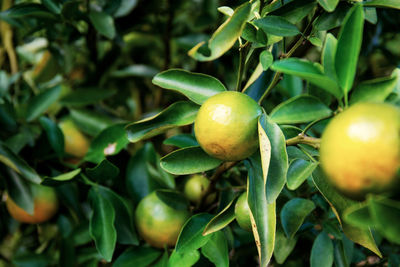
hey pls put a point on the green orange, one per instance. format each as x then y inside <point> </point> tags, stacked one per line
<point>360,149</point>
<point>158,223</point>
<point>45,205</point>
<point>242,212</point>
<point>195,188</point>
<point>75,142</point>
<point>226,126</point>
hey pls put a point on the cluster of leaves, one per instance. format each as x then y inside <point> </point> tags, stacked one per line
<point>96,62</point>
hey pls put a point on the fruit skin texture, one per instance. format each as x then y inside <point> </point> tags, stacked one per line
<point>45,206</point>
<point>196,187</point>
<point>360,149</point>
<point>226,126</point>
<point>242,212</point>
<point>157,223</point>
<point>75,143</point>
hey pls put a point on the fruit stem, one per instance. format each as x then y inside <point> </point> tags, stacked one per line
<point>304,139</point>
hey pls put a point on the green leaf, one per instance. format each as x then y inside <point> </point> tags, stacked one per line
<point>173,198</point>
<point>359,215</point>
<point>20,191</point>
<point>101,224</point>
<point>196,86</point>
<point>266,59</point>
<point>216,250</point>
<point>178,114</point>
<point>328,5</point>
<point>274,157</point>
<point>54,135</point>
<point>283,246</point>
<point>103,171</point>
<point>86,96</point>
<point>190,237</point>
<point>137,256</point>
<point>385,212</point>
<point>103,23</point>
<point>186,259</point>
<point>65,176</point>
<point>188,160</point>
<point>181,140</point>
<point>383,3</point>
<point>328,56</point>
<point>339,204</point>
<point>322,251</point>
<point>90,122</point>
<point>163,261</point>
<point>328,21</point>
<point>136,70</point>
<point>18,164</point>
<point>262,214</point>
<point>25,10</point>
<point>41,102</point>
<point>300,109</point>
<point>225,36</point>
<point>311,72</point>
<point>376,90</point>
<point>109,142</point>
<point>348,47</point>
<point>294,11</point>
<point>222,219</point>
<point>276,25</point>
<point>293,214</point>
<point>299,171</point>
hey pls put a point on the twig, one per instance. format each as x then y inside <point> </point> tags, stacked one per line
<point>304,139</point>
<point>242,60</point>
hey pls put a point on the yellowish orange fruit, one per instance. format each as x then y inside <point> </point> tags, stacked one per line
<point>75,142</point>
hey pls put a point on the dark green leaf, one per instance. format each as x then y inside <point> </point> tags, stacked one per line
<point>283,246</point>
<point>216,250</point>
<point>299,171</point>
<point>54,134</point>
<point>328,56</point>
<point>137,256</point>
<point>188,160</point>
<point>293,214</point>
<point>300,109</point>
<point>328,5</point>
<point>103,171</point>
<point>322,251</point>
<point>41,102</point>
<point>85,96</point>
<point>359,215</point>
<point>20,191</point>
<point>332,20</point>
<point>348,47</point>
<point>103,23</point>
<point>277,26</point>
<point>383,3</point>
<point>266,59</point>
<point>25,10</point>
<point>295,11</point>
<point>178,114</point>
<point>385,212</point>
<point>196,86</point>
<point>181,140</point>
<point>101,225</point>
<point>191,237</point>
<point>90,122</point>
<point>222,219</point>
<point>173,198</point>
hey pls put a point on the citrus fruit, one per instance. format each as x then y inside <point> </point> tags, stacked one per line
<point>360,149</point>
<point>242,212</point>
<point>195,188</point>
<point>45,205</point>
<point>75,142</point>
<point>226,126</point>
<point>158,223</point>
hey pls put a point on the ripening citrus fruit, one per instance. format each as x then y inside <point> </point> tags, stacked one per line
<point>75,142</point>
<point>226,126</point>
<point>157,223</point>
<point>360,149</point>
<point>45,205</point>
<point>195,188</point>
<point>242,212</point>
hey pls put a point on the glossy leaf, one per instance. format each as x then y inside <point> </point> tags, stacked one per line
<point>376,90</point>
<point>163,261</point>
<point>188,160</point>
<point>383,3</point>
<point>322,251</point>
<point>311,72</point>
<point>385,212</point>
<point>101,226</point>
<point>359,215</point>
<point>216,250</point>
<point>19,165</point>
<point>299,171</point>
<point>294,11</point>
<point>103,171</point>
<point>85,96</point>
<point>90,122</point>
<point>103,23</point>
<point>173,198</point>
<point>54,135</point>
<point>328,5</point>
<point>41,102</point>
<point>222,219</point>
<point>225,36</point>
<point>293,214</point>
<point>348,47</point>
<point>65,176</point>
<point>283,246</point>
<point>196,86</point>
<point>25,10</point>
<point>339,204</point>
<point>186,259</point>
<point>276,25</point>
<point>300,109</point>
<point>137,256</point>
<point>135,71</point>
<point>181,140</point>
<point>328,21</point>
<point>262,214</point>
<point>109,142</point>
<point>266,59</point>
<point>190,237</point>
<point>328,56</point>
<point>20,191</point>
<point>273,157</point>
<point>178,114</point>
